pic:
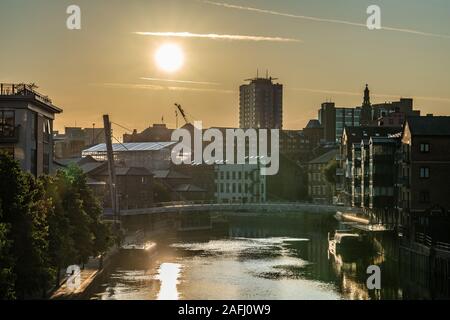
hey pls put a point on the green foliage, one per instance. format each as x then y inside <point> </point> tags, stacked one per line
<point>330,172</point>
<point>46,224</point>
<point>25,211</point>
<point>6,266</point>
<point>161,193</point>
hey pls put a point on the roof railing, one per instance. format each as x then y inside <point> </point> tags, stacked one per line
<point>23,89</point>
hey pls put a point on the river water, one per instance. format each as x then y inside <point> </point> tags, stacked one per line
<point>253,258</point>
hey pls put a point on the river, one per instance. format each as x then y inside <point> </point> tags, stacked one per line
<point>254,258</point>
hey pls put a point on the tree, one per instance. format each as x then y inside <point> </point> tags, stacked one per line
<point>79,220</point>
<point>92,237</point>
<point>6,264</point>
<point>24,210</point>
<point>45,224</point>
<point>61,247</point>
<point>330,171</point>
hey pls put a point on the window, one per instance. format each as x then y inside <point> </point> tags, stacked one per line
<point>46,131</point>
<point>7,123</point>
<point>424,147</point>
<point>424,172</point>
<point>425,196</point>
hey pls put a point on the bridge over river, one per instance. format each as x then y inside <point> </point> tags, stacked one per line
<point>196,207</point>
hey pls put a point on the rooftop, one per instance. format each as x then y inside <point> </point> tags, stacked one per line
<point>326,157</point>
<point>313,124</point>
<point>22,90</point>
<point>429,126</point>
<point>356,134</point>
<point>127,147</point>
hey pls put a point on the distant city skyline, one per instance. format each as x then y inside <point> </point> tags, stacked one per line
<point>319,52</point>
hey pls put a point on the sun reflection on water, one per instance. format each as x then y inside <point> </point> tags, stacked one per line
<point>168,274</point>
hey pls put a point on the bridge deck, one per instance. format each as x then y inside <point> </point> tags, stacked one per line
<point>230,207</point>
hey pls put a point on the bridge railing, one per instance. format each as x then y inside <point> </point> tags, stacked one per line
<point>213,202</point>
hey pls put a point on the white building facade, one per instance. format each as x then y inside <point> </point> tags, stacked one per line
<point>240,183</point>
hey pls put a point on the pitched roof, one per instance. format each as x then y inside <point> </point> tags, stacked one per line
<point>356,134</point>
<point>132,171</point>
<point>429,126</point>
<point>169,174</point>
<point>326,157</point>
<point>125,171</point>
<point>188,188</point>
<point>91,166</point>
<point>313,124</point>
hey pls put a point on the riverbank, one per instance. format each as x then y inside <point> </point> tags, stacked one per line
<point>89,278</point>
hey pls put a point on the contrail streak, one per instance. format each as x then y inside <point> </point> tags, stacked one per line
<point>214,36</point>
<point>160,88</point>
<point>317,19</point>
<point>180,81</point>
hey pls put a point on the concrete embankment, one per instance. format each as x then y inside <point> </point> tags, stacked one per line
<point>80,287</point>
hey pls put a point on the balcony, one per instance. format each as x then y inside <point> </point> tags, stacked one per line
<point>340,172</point>
<point>12,137</point>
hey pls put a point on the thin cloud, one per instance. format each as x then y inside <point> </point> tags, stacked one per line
<point>317,19</point>
<point>159,87</point>
<point>214,36</point>
<point>180,81</point>
<point>380,95</point>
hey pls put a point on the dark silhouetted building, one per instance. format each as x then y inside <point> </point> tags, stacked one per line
<point>334,119</point>
<point>156,133</point>
<point>74,140</point>
<point>261,104</point>
<point>319,189</point>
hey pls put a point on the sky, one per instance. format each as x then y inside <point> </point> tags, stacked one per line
<point>319,50</point>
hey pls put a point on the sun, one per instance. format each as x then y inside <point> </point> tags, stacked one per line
<point>169,57</point>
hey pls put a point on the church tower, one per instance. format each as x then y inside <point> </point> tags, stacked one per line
<point>366,110</point>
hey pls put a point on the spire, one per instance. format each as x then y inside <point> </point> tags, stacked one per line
<point>366,101</point>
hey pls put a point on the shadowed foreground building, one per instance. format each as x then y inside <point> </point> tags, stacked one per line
<point>424,198</point>
<point>424,173</point>
<point>319,189</point>
<point>26,126</point>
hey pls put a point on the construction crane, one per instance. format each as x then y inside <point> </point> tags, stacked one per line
<point>183,113</point>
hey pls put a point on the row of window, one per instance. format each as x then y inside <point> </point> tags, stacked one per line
<point>318,191</point>
<point>316,177</point>
<point>237,188</point>
<point>233,175</point>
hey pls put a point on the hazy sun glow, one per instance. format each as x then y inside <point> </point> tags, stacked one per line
<point>169,57</point>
